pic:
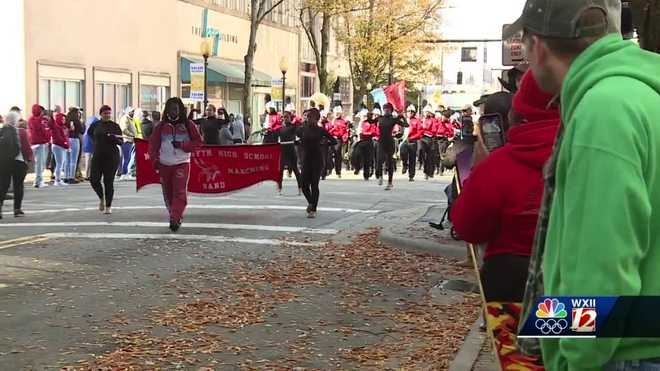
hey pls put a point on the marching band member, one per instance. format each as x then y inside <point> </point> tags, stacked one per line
<point>339,130</point>
<point>414,136</point>
<point>273,123</point>
<point>310,135</point>
<point>288,158</point>
<point>426,143</point>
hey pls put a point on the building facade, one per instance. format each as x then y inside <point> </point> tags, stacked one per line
<point>137,53</point>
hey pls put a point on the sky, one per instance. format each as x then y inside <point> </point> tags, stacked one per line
<point>478,19</point>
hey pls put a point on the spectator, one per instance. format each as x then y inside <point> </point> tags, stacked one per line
<point>598,232</point>
<point>76,129</point>
<point>147,125</point>
<point>127,126</point>
<point>499,207</point>
<point>238,129</point>
<point>15,154</point>
<point>225,132</point>
<point>39,140</point>
<point>60,140</point>
<point>88,147</point>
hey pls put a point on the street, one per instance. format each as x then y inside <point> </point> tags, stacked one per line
<point>248,282</point>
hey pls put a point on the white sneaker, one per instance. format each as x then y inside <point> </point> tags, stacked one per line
<point>43,185</point>
<point>60,184</point>
<point>108,211</point>
<point>380,181</point>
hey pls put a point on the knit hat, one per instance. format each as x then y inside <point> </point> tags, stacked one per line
<point>338,109</point>
<point>531,102</point>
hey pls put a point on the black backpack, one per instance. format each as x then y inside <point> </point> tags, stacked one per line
<point>9,147</point>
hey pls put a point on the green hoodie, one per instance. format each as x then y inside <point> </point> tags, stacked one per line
<point>604,229</point>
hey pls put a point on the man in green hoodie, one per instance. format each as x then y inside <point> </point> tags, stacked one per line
<point>599,225</point>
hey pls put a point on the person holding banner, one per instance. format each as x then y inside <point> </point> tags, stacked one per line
<point>311,135</point>
<point>499,205</point>
<point>170,146</point>
<point>106,136</point>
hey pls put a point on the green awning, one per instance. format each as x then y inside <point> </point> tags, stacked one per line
<point>221,71</point>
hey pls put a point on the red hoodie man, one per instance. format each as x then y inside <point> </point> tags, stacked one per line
<point>38,126</point>
<point>59,131</point>
<point>500,201</point>
<point>39,138</point>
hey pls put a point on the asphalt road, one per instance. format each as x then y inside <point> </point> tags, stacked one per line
<point>66,270</point>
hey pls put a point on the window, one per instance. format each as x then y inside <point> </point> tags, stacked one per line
<point>152,97</point>
<point>468,54</point>
<point>117,96</point>
<point>63,93</point>
<point>307,87</point>
<point>459,78</point>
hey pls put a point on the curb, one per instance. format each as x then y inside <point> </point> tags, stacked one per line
<point>416,245</point>
<point>470,349</point>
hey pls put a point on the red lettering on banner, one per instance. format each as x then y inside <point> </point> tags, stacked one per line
<point>218,169</point>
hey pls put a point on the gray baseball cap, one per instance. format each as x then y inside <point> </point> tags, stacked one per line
<point>560,18</point>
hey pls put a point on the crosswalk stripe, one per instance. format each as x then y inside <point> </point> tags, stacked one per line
<point>206,207</point>
<point>185,237</point>
<point>268,228</point>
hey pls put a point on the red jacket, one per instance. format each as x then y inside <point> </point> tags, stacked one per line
<point>500,201</point>
<point>339,129</point>
<point>448,128</point>
<point>59,131</point>
<point>415,127</point>
<point>368,130</point>
<point>38,127</point>
<point>428,126</point>
<point>274,122</point>
<point>297,120</point>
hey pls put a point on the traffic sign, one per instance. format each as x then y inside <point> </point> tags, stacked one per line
<point>512,49</point>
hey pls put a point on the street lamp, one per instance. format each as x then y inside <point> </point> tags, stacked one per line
<point>284,67</point>
<point>205,49</point>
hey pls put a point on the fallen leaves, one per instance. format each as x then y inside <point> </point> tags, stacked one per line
<point>399,326</point>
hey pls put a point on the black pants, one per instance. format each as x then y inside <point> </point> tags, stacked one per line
<point>443,144</point>
<point>269,137</point>
<point>13,173</point>
<point>385,157</point>
<point>290,161</point>
<point>427,146</point>
<point>504,277</point>
<point>311,176</point>
<point>337,156</point>
<point>356,162</point>
<point>104,165</point>
<point>366,152</point>
<point>411,160</point>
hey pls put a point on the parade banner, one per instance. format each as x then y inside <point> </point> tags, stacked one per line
<point>218,169</point>
<point>197,81</point>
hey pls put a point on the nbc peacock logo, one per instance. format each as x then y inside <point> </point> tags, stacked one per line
<point>551,308</point>
<point>551,314</point>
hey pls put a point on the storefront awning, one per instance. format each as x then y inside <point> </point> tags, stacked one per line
<point>222,71</point>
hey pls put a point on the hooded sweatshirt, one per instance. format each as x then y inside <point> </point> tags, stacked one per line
<point>38,127</point>
<point>603,235</point>
<point>59,131</point>
<point>161,147</point>
<point>500,200</point>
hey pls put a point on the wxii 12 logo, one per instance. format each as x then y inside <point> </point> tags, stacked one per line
<point>584,315</point>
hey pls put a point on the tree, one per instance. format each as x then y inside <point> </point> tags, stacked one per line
<point>324,11</point>
<point>385,46</point>
<point>646,19</point>
<point>258,11</point>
